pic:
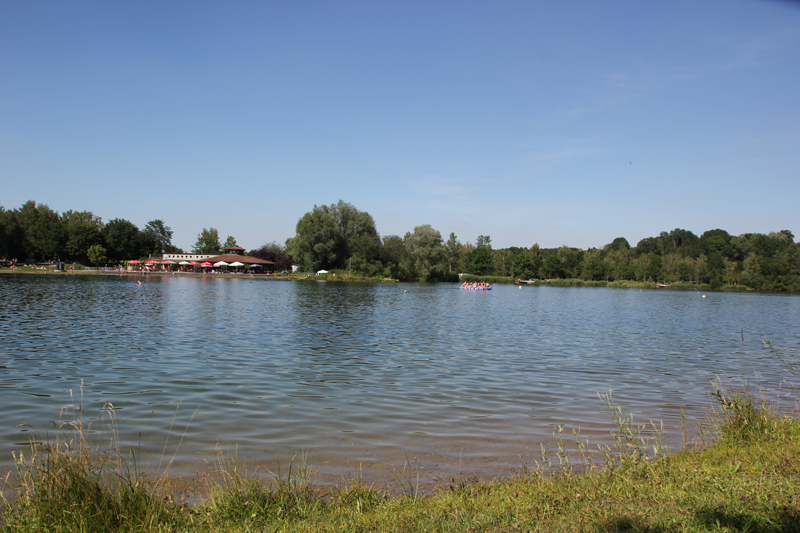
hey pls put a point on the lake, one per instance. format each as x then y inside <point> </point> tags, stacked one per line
<point>365,374</point>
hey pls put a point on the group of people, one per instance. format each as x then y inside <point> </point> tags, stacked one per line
<point>475,286</point>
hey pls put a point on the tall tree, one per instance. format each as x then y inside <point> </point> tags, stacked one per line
<point>522,266</point>
<point>482,260</point>
<point>122,240</point>
<point>425,251</point>
<point>273,252</point>
<point>83,230</point>
<point>620,243</point>
<point>14,240</point>
<point>96,255</point>
<point>159,236</point>
<point>317,243</point>
<point>274,247</point>
<point>452,249</point>
<point>483,240</point>
<point>335,236</point>
<point>47,235</point>
<point>395,258</point>
<point>207,242</point>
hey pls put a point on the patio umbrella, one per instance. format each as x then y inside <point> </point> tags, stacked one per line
<point>221,264</point>
<point>194,263</point>
<point>184,263</point>
<point>255,266</point>
<point>166,262</point>
<point>237,264</point>
<point>135,262</point>
<point>206,264</point>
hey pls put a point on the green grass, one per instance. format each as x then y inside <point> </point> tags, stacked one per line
<point>745,478</point>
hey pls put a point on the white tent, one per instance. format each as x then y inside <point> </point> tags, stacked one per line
<point>321,272</point>
<point>221,264</point>
<point>237,264</point>
<point>184,263</point>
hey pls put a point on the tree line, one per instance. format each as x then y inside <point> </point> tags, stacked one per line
<point>339,236</point>
<point>35,232</point>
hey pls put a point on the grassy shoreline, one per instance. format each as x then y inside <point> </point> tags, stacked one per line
<point>745,478</point>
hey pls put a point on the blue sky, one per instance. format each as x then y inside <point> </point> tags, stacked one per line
<point>551,122</point>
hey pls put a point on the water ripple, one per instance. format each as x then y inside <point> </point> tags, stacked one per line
<point>438,373</point>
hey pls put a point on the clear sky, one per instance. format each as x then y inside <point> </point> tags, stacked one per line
<point>551,122</point>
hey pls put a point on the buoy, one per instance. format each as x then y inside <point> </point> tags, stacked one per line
<point>520,287</point>
<point>704,296</point>
<point>405,292</point>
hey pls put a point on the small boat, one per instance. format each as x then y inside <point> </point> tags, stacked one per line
<point>662,285</point>
<point>475,288</point>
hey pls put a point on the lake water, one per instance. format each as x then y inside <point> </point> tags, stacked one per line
<point>363,374</point>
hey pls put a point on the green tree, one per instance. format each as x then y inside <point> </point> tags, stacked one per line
<point>648,245</point>
<point>685,271</point>
<point>620,243</point>
<point>274,247</point>
<point>571,261</point>
<point>158,237</point>
<point>482,262</point>
<point>716,240</point>
<point>395,258</point>
<point>425,251</point>
<point>47,235</point>
<point>4,219</point>
<point>594,268</point>
<point>317,243</point>
<point>338,236</point>
<point>357,229</point>
<point>466,250</point>
<point>553,267</point>
<point>653,271</point>
<point>97,255</point>
<point>523,267</point>
<point>122,240</point>
<point>685,242</point>
<point>452,251</point>
<point>83,230</point>
<point>39,230</point>
<point>230,241</point>
<point>716,268</point>
<point>207,242</point>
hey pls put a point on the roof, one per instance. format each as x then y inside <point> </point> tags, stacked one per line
<point>231,258</point>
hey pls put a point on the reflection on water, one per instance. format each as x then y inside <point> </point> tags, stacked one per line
<point>363,373</point>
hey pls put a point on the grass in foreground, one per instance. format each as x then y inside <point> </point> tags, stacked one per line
<point>747,479</point>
